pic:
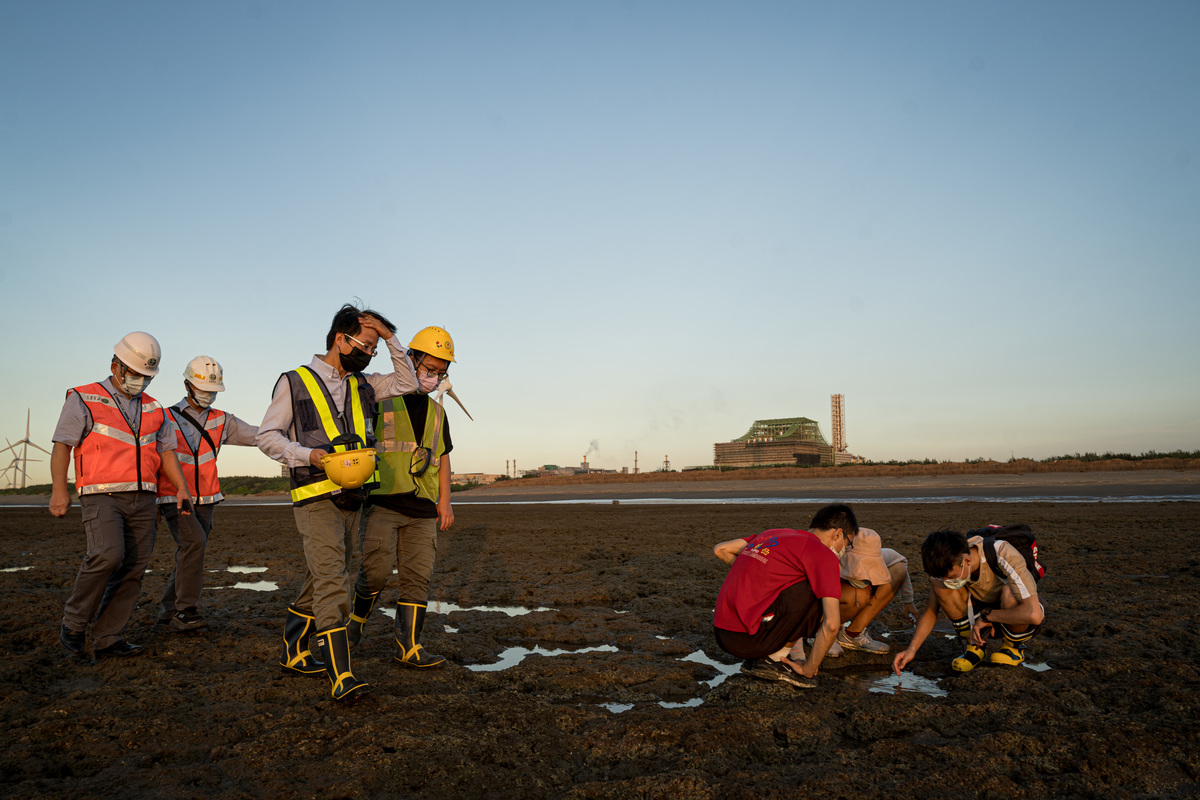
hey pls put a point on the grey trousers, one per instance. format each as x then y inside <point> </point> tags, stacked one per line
<point>328,536</point>
<point>190,533</point>
<point>120,531</point>
<point>391,539</point>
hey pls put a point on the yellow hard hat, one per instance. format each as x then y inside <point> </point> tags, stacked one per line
<point>434,341</point>
<point>350,469</point>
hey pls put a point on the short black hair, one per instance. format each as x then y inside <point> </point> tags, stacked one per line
<point>941,551</point>
<point>836,515</point>
<point>346,321</point>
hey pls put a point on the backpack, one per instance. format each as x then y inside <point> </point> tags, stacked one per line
<point>1020,537</point>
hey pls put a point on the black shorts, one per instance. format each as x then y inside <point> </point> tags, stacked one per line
<point>797,615</point>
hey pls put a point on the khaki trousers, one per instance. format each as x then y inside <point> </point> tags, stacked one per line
<point>120,531</point>
<point>390,539</point>
<point>328,536</point>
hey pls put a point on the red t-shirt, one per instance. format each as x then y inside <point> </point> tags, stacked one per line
<point>771,562</point>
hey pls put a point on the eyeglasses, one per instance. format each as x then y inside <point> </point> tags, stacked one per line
<point>368,350</point>
<point>441,376</point>
<point>956,570</point>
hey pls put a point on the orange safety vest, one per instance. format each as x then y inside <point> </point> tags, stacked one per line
<point>200,465</point>
<point>113,457</point>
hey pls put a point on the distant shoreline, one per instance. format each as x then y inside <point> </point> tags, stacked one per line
<point>1125,484</point>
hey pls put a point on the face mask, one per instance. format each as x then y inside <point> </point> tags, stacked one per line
<point>133,385</point>
<point>956,583</point>
<point>355,361</point>
<point>428,382</point>
<point>203,399</point>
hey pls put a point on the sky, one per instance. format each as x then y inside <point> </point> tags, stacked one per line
<point>645,224</point>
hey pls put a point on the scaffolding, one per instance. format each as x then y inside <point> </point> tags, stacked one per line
<point>839,422</point>
<point>794,440</point>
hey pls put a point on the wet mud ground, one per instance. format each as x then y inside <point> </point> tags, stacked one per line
<point>210,715</point>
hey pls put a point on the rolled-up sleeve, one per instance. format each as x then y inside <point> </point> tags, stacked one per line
<point>401,380</point>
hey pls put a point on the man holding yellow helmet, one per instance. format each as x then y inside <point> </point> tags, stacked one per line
<point>318,414</point>
<point>404,513</point>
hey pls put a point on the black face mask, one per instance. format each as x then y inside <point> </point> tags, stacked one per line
<point>355,361</point>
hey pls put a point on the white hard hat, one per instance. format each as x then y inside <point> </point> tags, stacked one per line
<point>140,352</point>
<point>203,372</point>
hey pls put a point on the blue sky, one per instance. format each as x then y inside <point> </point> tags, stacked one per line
<point>646,224</point>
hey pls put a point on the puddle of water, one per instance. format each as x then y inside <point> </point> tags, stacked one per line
<point>695,701</point>
<point>1041,666</point>
<point>246,570</point>
<point>905,684</point>
<point>723,670</point>
<point>616,708</point>
<point>448,629</point>
<point>256,586</point>
<point>15,569</point>
<point>515,655</point>
<point>441,607</point>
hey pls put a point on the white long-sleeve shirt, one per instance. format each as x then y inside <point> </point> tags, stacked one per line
<point>277,436</point>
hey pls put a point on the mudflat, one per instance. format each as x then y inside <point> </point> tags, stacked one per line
<point>583,666</point>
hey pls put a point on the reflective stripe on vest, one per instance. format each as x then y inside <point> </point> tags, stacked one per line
<point>358,424</point>
<point>199,466</point>
<point>397,443</point>
<point>113,457</point>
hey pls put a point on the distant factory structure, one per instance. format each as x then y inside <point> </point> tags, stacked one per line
<point>553,469</point>
<point>795,441</point>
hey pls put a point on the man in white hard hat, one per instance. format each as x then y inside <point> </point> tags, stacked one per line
<point>201,430</point>
<point>121,438</point>
<point>412,503</point>
<point>314,412</point>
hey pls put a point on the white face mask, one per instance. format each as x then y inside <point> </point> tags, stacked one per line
<point>133,385</point>
<point>428,382</point>
<point>203,399</point>
<point>956,583</point>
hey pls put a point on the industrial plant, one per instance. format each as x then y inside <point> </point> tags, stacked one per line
<point>794,441</point>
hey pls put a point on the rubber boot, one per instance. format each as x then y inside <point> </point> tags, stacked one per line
<point>334,649</point>
<point>297,658</point>
<point>1010,653</point>
<point>410,619</point>
<point>970,659</point>
<point>359,612</point>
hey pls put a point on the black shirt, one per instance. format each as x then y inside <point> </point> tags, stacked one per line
<point>409,504</point>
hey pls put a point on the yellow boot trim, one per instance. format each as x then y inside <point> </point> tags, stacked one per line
<point>1010,655</point>
<point>968,660</point>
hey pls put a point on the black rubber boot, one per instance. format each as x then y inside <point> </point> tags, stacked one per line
<point>297,658</point>
<point>410,619</point>
<point>359,613</point>
<point>334,648</point>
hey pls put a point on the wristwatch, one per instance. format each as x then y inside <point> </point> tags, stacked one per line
<point>983,615</point>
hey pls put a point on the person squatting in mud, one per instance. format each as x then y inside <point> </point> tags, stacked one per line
<point>325,407</point>
<point>402,518</point>
<point>871,577</point>
<point>977,599</point>
<point>782,586</point>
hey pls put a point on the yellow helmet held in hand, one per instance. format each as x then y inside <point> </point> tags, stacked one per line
<point>350,469</point>
<point>434,341</point>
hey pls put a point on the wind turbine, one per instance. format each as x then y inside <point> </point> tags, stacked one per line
<point>22,459</point>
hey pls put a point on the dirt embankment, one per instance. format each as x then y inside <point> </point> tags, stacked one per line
<point>631,589</point>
